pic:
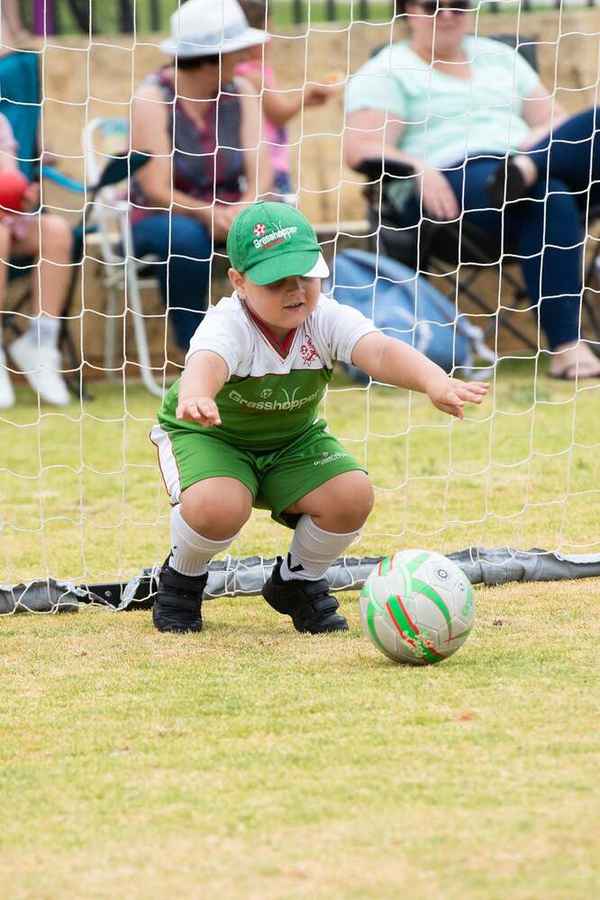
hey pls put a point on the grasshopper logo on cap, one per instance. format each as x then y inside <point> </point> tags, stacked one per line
<point>270,241</point>
<point>266,241</point>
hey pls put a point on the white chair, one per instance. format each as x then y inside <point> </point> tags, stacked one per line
<point>109,234</point>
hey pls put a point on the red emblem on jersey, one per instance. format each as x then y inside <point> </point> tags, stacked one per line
<point>259,230</point>
<point>308,352</point>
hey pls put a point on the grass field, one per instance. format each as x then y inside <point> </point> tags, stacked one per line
<point>252,762</point>
<point>284,14</point>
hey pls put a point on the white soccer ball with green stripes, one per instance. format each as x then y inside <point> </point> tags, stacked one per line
<point>417,607</point>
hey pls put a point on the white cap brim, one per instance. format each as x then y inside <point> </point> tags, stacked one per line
<point>319,270</point>
<point>190,46</point>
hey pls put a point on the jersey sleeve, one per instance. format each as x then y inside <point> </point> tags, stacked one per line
<point>338,328</point>
<point>222,331</point>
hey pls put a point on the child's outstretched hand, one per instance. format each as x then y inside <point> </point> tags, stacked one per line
<point>199,409</point>
<point>450,394</point>
<point>317,94</point>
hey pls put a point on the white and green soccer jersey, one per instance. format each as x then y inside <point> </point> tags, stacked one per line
<point>271,395</point>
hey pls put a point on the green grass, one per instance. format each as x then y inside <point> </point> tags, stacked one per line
<point>252,762</point>
<point>82,498</point>
<point>283,14</point>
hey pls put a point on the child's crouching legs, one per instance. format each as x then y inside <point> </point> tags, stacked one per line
<point>341,504</point>
<point>206,522</point>
<point>332,516</point>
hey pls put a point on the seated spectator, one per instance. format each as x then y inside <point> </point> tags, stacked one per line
<point>47,239</point>
<point>457,107</point>
<point>279,106</point>
<point>201,126</point>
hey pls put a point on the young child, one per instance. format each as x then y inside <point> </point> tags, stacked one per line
<point>279,107</point>
<point>240,428</point>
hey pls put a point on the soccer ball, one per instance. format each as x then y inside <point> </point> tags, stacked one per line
<point>417,607</point>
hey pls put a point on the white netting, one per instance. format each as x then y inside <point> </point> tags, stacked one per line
<point>81,496</point>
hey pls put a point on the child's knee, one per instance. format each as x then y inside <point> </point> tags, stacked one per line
<point>57,234</point>
<point>5,240</point>
<point>362,497</point>
<point>352,501</point>
<point>216,513</point>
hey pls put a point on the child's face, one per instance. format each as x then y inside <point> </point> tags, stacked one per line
<point>283,305</point>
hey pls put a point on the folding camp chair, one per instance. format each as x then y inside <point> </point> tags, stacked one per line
<point>123,275</point>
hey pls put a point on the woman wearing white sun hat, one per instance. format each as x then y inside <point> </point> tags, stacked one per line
<point>201,126</point>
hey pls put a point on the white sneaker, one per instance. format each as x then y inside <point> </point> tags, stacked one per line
<point>40,365</point>
<point>7,394</point>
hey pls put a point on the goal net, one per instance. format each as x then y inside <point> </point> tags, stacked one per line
<point>81,498</point>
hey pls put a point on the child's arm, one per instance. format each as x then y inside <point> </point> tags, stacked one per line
<point>392,362</point>
<point>279,106</point>
<point>203,377</point>
<point>257,158</point>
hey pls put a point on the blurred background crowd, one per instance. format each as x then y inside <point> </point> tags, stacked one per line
<point>412,135</point>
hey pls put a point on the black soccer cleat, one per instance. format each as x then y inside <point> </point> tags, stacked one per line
<point>178,602</point>
<point>309,603</point>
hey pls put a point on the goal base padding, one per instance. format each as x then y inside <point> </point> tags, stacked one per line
<point>245,577</point>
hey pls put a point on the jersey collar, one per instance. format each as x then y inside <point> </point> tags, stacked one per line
<point>281,346</point>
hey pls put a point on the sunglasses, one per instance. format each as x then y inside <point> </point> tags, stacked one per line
<point>456,7</point>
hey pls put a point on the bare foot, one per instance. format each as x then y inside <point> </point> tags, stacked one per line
<point>574,361</point>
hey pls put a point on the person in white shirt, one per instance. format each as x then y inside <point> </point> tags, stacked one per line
<point>488,143</point>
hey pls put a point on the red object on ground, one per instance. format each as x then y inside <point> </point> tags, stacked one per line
<point>12,190</point>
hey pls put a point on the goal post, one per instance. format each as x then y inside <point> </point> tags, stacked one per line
<point>82,503</point>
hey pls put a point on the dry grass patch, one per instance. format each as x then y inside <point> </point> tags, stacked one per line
<point>252,762</point>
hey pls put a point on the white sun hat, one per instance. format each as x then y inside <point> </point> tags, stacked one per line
<point>208,27</point>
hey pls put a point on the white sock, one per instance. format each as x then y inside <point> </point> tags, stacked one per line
<point>191,552</point>
<point>313,550</point>
<point>44,331</point>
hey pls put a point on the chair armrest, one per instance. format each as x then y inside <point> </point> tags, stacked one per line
<point>70,184</point>
<point>376,166</point>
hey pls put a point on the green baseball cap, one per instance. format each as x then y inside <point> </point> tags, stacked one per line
<point>269,241</point>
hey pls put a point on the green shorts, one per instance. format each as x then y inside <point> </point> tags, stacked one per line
<point>275,478</point>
